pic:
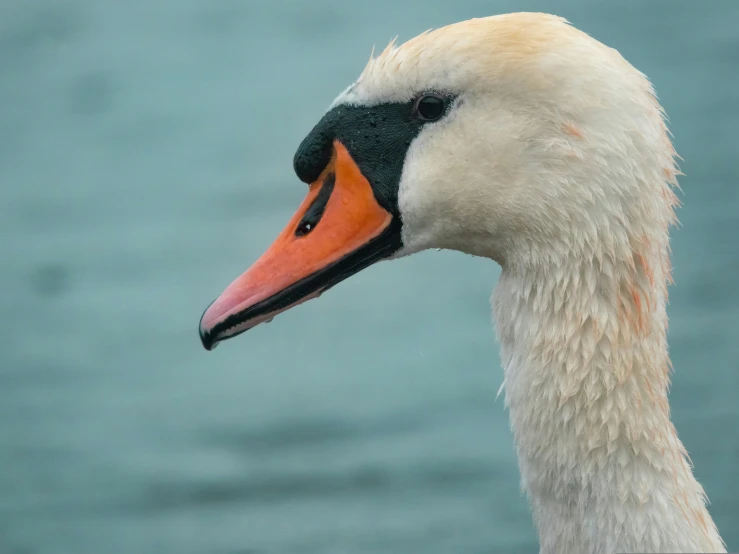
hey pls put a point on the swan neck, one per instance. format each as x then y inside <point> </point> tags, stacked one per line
<point>584,350</point>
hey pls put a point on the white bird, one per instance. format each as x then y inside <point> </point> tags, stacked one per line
<point>524,140</point>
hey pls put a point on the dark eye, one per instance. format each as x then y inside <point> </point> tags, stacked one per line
<point>430,107</point>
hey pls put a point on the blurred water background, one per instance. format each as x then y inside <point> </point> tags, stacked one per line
<point>145,161</point>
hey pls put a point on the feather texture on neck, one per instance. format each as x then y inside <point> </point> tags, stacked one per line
<point>587,370</point>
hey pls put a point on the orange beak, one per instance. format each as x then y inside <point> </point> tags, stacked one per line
<point>339,229</point>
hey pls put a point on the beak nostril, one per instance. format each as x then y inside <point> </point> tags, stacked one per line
<point>304,228</point>
<point>314,213</point>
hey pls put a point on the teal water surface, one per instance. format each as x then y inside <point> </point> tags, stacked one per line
<point>145,161</point>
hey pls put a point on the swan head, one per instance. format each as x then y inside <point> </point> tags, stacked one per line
<point>515,137</point>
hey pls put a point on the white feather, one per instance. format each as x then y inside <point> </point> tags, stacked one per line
<point>556,162</point>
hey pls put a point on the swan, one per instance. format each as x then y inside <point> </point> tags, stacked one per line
<point>522,139</point>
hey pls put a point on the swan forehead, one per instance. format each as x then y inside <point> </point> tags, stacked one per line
<point>470,55</point>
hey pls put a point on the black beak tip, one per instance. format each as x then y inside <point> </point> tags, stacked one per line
<point>207,338</point>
